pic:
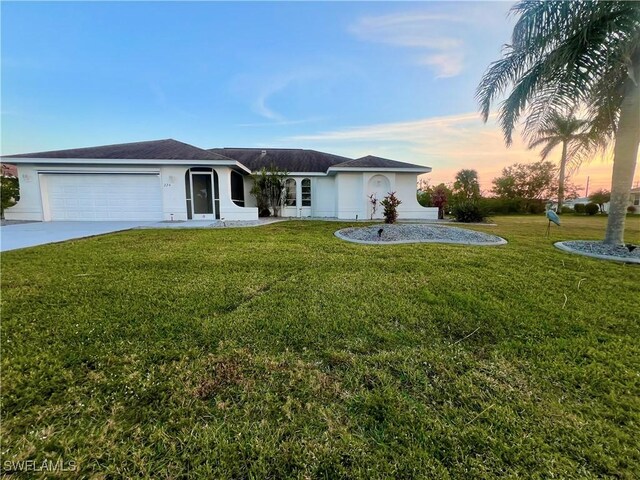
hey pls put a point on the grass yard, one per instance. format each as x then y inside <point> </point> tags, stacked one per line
<point>283,352</point>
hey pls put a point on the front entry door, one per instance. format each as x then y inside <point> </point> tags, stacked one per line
<point>202,192</point>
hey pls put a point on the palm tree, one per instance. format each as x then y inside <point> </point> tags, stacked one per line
<point>568,55</point>
<point>575,138</point>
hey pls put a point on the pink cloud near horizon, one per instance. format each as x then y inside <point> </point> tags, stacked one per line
<point>449,144</point>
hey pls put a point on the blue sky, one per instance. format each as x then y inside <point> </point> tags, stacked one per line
<point>392,79</point>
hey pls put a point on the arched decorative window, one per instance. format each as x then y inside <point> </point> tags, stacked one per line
<point>290,191</point>
<point>306,192</point>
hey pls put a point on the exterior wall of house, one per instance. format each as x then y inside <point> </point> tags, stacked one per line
<point>323,197</point>
<point>228,209</point>
<point>353,192</point>
<point>344,195</point>
<point>29,207</point>
<point>174,205</point>
<point>406,190</point>
<point>350,196</point>
<point>33,194</point>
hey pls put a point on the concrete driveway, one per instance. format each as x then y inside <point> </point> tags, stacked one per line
<point>25,235</point>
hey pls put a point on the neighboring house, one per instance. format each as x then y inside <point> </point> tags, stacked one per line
<point>634,199</point>
<point>571,203</point>
<point>170,180</point>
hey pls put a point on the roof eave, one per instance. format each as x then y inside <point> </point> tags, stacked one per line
<point>379,169</point>
<point>128,161</point>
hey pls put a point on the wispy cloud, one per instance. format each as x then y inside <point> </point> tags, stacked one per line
<point>414,130</point>
<point>280,123</point>
<point>427,34</point>
<point>446,143</point>
<point>267,93</point>
<point>260,105</point>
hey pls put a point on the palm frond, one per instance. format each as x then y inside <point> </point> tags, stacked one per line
<point>563,55</point>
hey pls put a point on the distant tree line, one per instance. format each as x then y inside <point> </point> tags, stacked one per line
<point>520,188</point>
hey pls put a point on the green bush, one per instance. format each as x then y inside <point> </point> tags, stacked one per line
<point>390,204</point>
<point>580,208</point>
<point>10,190</point>
<point>496,206</point>
<point>536,207</point>
<point>591,208</point>
<point>424,198</point>
<point>566,210</point>
<point>469,211</point>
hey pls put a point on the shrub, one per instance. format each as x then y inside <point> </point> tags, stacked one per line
<point>591,208</point>
<point>631,209</point>
<point>424,198</point>
<point>503,205</point>
<point>580,208</point>
<point>469,211</point>
<point>566,210</point>
<point>390,204</point>
<point>536,207</point>
<point>10,190</point>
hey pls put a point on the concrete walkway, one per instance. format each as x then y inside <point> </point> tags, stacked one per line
<point>13,237</point>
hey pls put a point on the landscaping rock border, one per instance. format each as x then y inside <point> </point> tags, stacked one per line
<point>417,233</point>
<point>595,249</point>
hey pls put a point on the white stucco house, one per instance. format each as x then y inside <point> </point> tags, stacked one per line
<point>166,180</point>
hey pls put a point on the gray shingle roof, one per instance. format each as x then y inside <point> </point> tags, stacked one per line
<point>167,149</point>
<point>289,159</point>
<point>376,162</point>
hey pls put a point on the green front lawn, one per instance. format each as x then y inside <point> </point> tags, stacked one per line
<point>281,351</point>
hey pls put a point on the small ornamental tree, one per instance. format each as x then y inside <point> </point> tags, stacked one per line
<point>373,200</point>
<point>440,198</point>
<point>10,193</point>
<point>390,204</point>
<point>268,188</point>
<point>600,197</point>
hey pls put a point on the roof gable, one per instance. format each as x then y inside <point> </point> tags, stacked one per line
<point>289,159</point>
<point>167,149</point>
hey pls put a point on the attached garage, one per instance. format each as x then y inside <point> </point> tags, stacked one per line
<point>101,197</point>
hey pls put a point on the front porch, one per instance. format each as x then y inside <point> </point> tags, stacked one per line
<point>216,194</point>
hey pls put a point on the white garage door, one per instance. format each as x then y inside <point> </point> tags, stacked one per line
<point>102,197</point>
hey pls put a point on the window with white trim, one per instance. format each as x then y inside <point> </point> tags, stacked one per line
<point>306,192</point>
<point>290,190</point>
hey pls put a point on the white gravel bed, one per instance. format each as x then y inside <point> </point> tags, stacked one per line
<point>595,249</point>
<point>213,223</point>
<point>417,233</point>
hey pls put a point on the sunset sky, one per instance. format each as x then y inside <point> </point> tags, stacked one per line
<point>395,80</point>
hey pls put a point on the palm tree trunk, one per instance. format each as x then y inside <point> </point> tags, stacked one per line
<point>563,166</point>
<point>625,155</point>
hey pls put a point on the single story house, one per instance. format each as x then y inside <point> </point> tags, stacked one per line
<point>166,180</point>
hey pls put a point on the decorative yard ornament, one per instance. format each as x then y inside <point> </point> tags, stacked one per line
<point>553,217</point>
